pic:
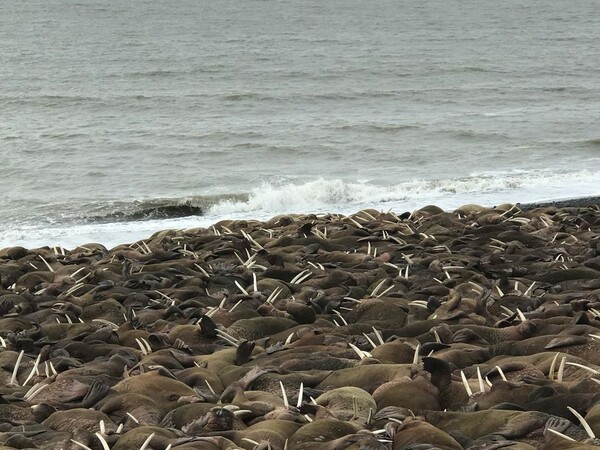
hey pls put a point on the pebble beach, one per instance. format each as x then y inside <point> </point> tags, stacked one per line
<point>426,329</point>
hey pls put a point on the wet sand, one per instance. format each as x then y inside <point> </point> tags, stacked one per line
<point>384,330</point>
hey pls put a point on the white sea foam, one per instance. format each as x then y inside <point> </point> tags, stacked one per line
<point>486,188</point>
<point>324,195</point>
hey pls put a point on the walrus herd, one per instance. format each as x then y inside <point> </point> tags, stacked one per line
<point>472,329</point>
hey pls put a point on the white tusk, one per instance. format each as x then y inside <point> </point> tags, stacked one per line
<point>416,357</point>
<point>552,367</point>
<point>561,369</point>
<point>501,372</point>
<point>481,385</point>
<point>300,395</point>
<point>13,378</point>
<point>284,395</point>
<point>146,442</point>
<point>466,384</point>
<point>584,424</point>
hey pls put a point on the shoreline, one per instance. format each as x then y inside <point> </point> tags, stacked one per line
<point>576,202</point>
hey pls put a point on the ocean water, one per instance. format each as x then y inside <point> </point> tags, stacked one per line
<point>119,119</point>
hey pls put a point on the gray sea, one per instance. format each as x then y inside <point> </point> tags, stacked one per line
<point>120,118</point>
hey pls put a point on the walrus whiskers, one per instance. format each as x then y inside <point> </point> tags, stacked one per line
<point>147,442</point>
<point>584,423</point>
